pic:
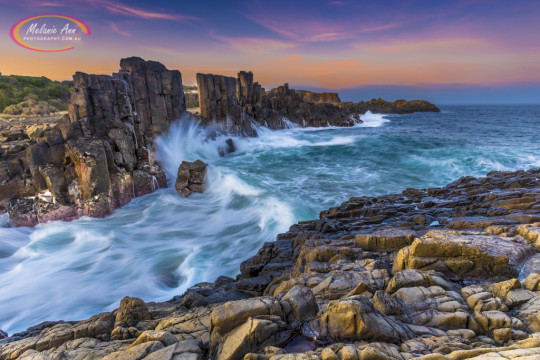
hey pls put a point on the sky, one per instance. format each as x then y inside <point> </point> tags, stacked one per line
<point>463,51</point>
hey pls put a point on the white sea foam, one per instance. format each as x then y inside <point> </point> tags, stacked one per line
<point>160,244</point>
<point>372,120</point>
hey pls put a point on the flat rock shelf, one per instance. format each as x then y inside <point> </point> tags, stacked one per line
<point>440,274</point>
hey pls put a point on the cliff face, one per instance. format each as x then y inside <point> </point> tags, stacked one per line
<point>99,156</point>
<point>237,104</point>
<point>428,274</point>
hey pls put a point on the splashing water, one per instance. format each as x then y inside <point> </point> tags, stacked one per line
<point>160,244</point>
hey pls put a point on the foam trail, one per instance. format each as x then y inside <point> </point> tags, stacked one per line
<point>153,248</point>
<point>372,120</point>
<point>161,243</point>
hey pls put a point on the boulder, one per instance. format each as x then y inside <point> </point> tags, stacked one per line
<point>131,311</point>
<point>463,255</point>
<point>190,177</point>
<point>356,319</point>
<point>253,335</point>
<point>299,304</point>
<point>228,316</point>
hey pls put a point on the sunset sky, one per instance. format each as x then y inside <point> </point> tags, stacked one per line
<point>463,51</point>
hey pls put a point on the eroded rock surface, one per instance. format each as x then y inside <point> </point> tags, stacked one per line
<point>238,104</point>
<point>99,156</point>
<point>190,177</point>
<point>427,274</point>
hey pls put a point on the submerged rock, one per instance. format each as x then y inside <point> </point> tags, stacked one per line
<point>190,177</point>
<point>227,148</point>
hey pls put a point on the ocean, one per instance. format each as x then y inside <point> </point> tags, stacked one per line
<point>160,244</point>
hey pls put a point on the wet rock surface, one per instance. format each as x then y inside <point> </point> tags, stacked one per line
<point>99,156</point>
<point>237,104</point>
<point>440,273</point>
<point>190,178</point>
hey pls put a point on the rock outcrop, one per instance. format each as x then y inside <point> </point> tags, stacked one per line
<point>385,107</point>
<point>190,177</point>
<point>239,104</point>
<point>99,156</point>
<point>441,273</point>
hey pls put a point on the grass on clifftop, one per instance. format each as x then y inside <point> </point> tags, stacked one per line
<point>31,96</point>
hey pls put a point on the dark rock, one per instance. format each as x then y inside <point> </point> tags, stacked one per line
<point>238,104</point>
<point>190,177</point>
<point>329,292</point>
<point>193,299</point>
<point>98,157</point>
<point>227,148</point>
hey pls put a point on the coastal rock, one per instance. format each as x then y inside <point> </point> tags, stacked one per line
<point>190,177</point>
<point>99,156</point>
<point>131,311</point>
<point>253,335</point>
<point>238,104</point>
<point>227,148</point>
<point>356,319</point>
<point>385,107</point>
<point>329,291</point>
<point>464,255</point>
<point>158,94</point>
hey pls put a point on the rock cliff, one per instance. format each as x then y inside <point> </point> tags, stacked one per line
<point>99,156</point>
<point>435,274</point>
<point>238,104</point>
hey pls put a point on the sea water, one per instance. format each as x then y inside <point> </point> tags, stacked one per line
<point>160,244</point>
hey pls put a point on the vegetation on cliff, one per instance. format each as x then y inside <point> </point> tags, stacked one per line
<point>28,95</point>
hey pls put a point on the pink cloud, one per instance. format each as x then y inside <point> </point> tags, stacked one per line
<point>119,8</point>
<point>115,28</point>
<point>115,7</point>
<point>316,30</point>
<point>51,4</point>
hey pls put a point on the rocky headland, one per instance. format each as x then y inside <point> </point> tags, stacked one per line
<point>100,155</point>
<point>447,273</point>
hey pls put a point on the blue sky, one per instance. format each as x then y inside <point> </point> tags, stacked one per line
<point>472,51</point>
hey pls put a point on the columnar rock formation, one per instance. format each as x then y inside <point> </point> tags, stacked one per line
<point>98,157</point>
<point>435,274</point>
<point>157,93</point>
<point>237,104</point>
<point>324,97</point>
<point>240,103</point>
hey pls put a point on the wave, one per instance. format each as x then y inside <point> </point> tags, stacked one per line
<point>161,243</point>
<point>370,119</point>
